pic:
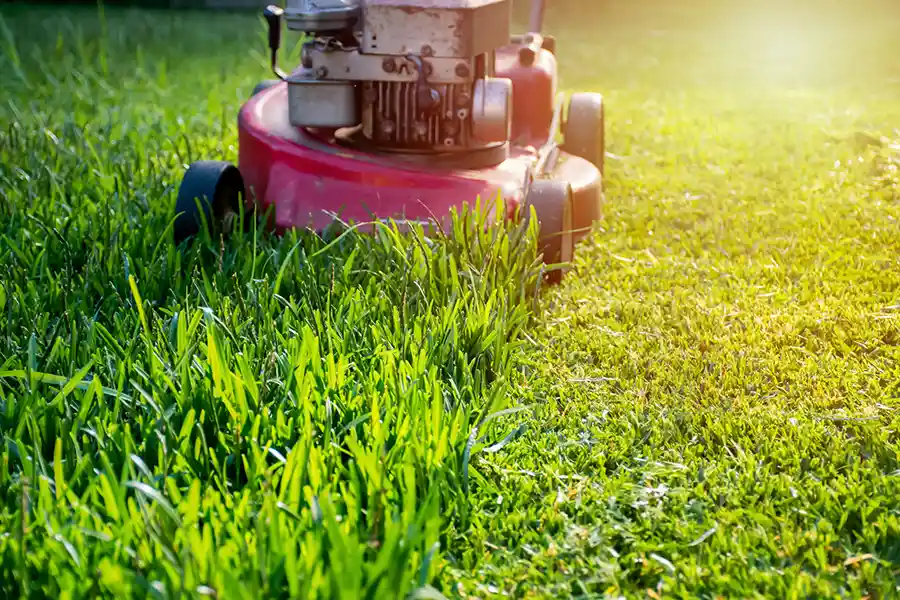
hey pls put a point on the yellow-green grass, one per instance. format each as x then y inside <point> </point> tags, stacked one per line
<point>706,408</point>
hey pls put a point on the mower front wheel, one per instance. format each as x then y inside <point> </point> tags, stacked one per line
<point>210,196</point>
<point>585,129</point>
<point>553,204</point>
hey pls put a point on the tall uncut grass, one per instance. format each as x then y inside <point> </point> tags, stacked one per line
<point>262,417</point>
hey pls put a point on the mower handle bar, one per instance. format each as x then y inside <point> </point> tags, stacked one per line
<point>536,23</point>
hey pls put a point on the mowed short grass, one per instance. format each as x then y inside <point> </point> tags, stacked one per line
<point>706,408</point>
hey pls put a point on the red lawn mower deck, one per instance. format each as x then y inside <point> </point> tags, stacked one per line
<point>365,130</point>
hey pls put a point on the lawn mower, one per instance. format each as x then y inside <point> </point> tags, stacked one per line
<point>402,110</point>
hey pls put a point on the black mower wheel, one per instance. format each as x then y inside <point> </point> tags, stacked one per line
<point>210,195</point>
<point>585,128</point>
<point>264,85</point>
<point>553,204</point>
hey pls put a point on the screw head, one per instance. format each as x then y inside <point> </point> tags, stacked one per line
<point>389,65</point>
<point>427,50</point>
<point>462,70</point>
<point>321,72</point>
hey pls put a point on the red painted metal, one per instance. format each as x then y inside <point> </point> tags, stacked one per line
<point>534,92</point>
<point>309,178</point>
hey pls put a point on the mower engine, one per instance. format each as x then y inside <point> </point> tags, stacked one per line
<point>404,111</point>
<point>413,76</point>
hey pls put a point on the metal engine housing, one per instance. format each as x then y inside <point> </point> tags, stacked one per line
<point>404,75</point>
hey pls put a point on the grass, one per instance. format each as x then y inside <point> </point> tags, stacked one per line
<point>706,408</point>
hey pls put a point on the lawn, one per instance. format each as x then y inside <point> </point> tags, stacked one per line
<point>706,408</point>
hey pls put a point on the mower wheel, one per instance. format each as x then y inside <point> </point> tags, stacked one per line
<point>584,129</point>
<point>549,44</point>
<point>264,85</point>
<point>210,193</point>
<point>552,201</point>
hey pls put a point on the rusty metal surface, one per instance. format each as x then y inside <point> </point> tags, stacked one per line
<point>440,28</point>
<point>355,66</point>
<point>391,116</point>
<point>419,67</point>
<point>452,4</point>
